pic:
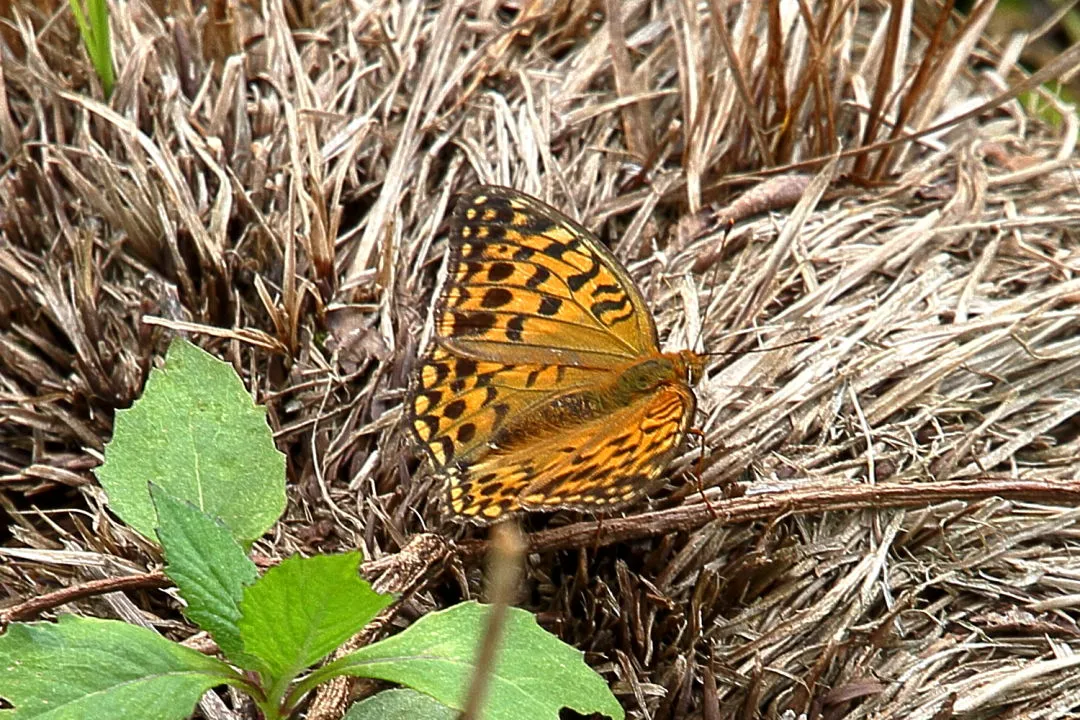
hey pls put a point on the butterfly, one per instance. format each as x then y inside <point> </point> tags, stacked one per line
<point>544,386</point>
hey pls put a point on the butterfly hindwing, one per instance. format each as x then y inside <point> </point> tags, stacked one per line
<point>600,465</point>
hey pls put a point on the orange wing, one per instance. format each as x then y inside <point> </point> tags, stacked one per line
<point>534,307</point>
<point>603,464</point>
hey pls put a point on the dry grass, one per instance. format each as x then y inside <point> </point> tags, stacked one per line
<point>897,536</point>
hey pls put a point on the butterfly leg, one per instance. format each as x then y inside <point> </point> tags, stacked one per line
<point>596,537</point>
<point>698,466</point>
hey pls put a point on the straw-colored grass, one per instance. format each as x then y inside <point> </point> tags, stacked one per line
<point>895,531</point>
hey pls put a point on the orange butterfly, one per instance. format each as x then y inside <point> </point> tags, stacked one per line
<point>544,386</point>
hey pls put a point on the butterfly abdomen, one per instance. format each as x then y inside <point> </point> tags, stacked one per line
<point>552,420</point>
<point>578,407</point>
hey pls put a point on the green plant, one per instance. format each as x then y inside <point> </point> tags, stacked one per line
<point>193,465</point>
<point>94,28</point>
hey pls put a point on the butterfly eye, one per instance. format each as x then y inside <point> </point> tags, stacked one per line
<point>691,368</point>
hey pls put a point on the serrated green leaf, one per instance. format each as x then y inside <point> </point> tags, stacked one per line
<point>301,610</point>
<point>400,704</point>
<point>535,676</point>
<point>197,434</point>
<point>90,669</point>
<point>209,568</point>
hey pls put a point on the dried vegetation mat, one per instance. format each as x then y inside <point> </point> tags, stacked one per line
<point>891,528</point>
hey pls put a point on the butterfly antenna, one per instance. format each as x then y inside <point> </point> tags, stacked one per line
<point>781,346</point>
<point>700,339</point>
<point>727,232</point>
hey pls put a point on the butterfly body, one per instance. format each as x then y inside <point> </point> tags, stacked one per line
<point>544,386</point>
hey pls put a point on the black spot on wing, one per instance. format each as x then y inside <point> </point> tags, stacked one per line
<point>441,371</point>
<point>606,306</point>
<point>473,323</point>
<point>468,270</point>
<point>489,489</point>
<point>500,271</point>
<point>431,422</point>
<point>515,327</point>
<point>540,275</point>
<point>455,409</point>
<point>464,367</point>
<point>500,411</point>
<point>447,447</point>
<point>496,297</point>
<point>434,397</point>
<point>580,280</point>
<point>463,296</point>
<point>549,306</point>
<point>466,432</point>
<point>557,249</point>
<point>473,249</point>
<point>621,318</point>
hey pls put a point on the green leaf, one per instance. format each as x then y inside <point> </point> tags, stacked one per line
<point>400,704</point>
<point>301,610</point>
<point>209,568</point>
<point>536,674</point>
<point>196,433</point>
<point>90,669</point>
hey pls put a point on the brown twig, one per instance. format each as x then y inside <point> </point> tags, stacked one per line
<point>33,607</point>
<point>807,500</point>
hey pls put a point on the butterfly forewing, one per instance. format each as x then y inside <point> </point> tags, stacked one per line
<point>523,276</point>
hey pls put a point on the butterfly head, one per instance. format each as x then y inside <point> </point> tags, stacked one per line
<point>690,365</point>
